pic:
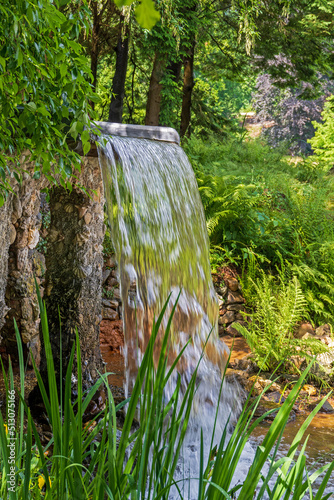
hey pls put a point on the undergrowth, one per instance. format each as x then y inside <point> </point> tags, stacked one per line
<point>279,304</point>
<point>262,207</point>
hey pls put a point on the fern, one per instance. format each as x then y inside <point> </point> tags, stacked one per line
<point>279,306</point>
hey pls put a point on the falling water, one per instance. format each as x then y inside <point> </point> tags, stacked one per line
<point>161,243</point>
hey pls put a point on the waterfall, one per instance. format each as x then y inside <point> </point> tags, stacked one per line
<point>161,243</point>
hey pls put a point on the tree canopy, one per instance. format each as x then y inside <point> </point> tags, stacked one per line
<point>61,59</point>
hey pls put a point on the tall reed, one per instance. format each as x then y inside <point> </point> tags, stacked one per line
<point>100,461</point>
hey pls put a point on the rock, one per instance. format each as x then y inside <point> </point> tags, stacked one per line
<point>87,218</point>
<point>303,329</point>
<point>235,307</point>
<point>261,383</point>
<point>238,375</point>
<point>112,282</point>
<point>246,364</point>
<point>12,234</point>
<point>222,291</point>
<point>110,262</point>
<point>230,330</point>
<point>291,377</point>
<point>81,211</point>
<point>221,303</point>
<point>323,330</point>
<point>17,209</point>
<point>228,317</point>
<point>39,265</point>
<point>221,330</point>
<point>233,284</point>
<point>33,238</point>
<point>35,347</point>
<point>110,303</point>
<point>329,341</point>
<point>275,396</point>
<point>310,389</point>
<point>117,293</point>
<point>111,335</point>
<point>297,361</point>
<point>326,407</point>
<point>266,406</point>
<point>105,275</point>
<point>26,309</point>
<point>108,313</point>
<point>234,297</point>
<point>326,359</point>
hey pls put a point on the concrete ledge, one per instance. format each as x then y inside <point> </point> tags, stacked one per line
<point>165,134</point>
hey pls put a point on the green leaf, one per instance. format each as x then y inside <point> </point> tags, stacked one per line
<point>3,62</point>
<point>43,111</point>
<point>94,98</point>
<point>146,14</point>
<point>65,112</point>
<point>32,106</point>
<point>86,147</point>
<point>85,136</point>
<point>19,57</point>
<point>74,130</point>
<point>63,69</point>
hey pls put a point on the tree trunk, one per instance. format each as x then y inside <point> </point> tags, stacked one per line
<point>118,84</point>
<point>168,112</point>
<point>188,85</point>
<point>154,93</point>
<point>175,69</point>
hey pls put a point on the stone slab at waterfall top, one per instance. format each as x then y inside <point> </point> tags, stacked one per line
<point>164,134</point>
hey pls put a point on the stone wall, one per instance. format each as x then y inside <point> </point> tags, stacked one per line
<point>23,263</point>
<point>5,238</point>
<point>72,270</point>
<point>73,285</point>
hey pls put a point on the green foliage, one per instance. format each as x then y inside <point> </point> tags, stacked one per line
<point>323,140</point>
<point>146,14</point>
<point>279,305</point>
<point>97,461</point>
<point>259,204</point>
<point>44,88</point>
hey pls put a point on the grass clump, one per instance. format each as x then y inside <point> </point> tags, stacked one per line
<point>100,461</point>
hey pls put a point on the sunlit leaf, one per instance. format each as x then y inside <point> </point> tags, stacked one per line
<point>146,14</point>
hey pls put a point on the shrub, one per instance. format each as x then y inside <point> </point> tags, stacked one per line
<point>323,140</point>
<point>294,116</point>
